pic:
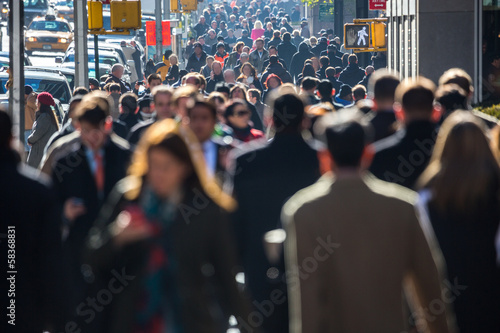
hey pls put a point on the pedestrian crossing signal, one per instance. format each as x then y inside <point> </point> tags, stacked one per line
<point>357,36</point>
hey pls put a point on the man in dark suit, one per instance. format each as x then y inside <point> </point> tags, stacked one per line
<point>83,178</point>
<point>30,244</point>
<point>402,157</point>
<point>116,77</point>
<point>382,88</point>
<point>263,177</point>
<point>202,120</point>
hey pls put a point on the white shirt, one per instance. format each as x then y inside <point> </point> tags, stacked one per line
<point>210,153</point>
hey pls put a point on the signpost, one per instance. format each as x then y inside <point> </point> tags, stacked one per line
<point>16,69</point>
<point>357,36</point>
<point>366,35</point>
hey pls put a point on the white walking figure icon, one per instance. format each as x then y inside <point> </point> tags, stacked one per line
<point>361,36</point>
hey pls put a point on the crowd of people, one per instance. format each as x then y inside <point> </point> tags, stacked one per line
<point>275,188</point>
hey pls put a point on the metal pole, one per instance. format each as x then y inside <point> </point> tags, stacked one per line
<point>96,57</point>
<point>166,9</point>
<point>159,37</point>
<point>16,45</point>
<point>81,46</point>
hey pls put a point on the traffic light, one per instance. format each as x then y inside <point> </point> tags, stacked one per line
<point>125,14</point>
<point>378,34</point>
<point>95,15</point>
<point>189,5</point>
<point>357,36</point>
<point>174,6</point>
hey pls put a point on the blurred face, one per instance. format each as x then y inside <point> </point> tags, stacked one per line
<point>217,68</point>
<point>229,76</point>
<point>212,34</point>
<point>165,172</point>
<point>202,20</point>
<point>238,94</point>
<point>273,83</point>
<point>259,45</point>
<point>240,117</point>
<point>202,122</point>
<point>247,70</point>
<point>154,83</point>
<point>162,106</point>
<point>192,81</point>
<point>92,137</point>
<point>202,42</point>
<point>198,50</point>
<point>119,72</point>
<point>210,62</point>
<point>243,59</point>
<point>273,52</point>
<point>214,25</point>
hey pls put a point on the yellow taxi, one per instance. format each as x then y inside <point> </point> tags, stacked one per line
<point>48,33</point>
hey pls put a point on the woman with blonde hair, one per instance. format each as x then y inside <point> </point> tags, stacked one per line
<point>257,30</point>
<point>173,71</point>
<point>461,199</point>
<point>166,225</point>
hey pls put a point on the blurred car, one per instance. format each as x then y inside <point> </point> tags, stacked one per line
<point>34,8</point>
<point>67,72</point>
<point>106,60</point>
<point>103,46</point>
<point>56,84</point>
<point>48,33</point>
<point>65,9</point>
<point>4,59</point>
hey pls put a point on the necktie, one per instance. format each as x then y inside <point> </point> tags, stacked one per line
<point>99,172</point>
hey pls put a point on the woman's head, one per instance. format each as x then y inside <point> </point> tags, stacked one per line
<point>308,70</point>
<point>276,34</point>
<point>248,69</point>
<point>463,174</point>
<point>273,81</point>
<point>269,26</point>
<point>238,91</point>
<point>258,25</point>
<point>238,114</point>
<point>239,47</point>
<point>173,59</point>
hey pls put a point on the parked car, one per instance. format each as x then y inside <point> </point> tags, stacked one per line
<point>54,83</point>
<point>48,33</point>
<point>65,9</point>
<point>67,72</point>
<point>4,59</point>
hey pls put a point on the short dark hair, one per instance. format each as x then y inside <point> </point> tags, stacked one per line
<point>346,133</point>
<point>287,37</point>
<point>128,101</point>
<point>382,86</point>
<point>232,105</point>
<point>222,87</point>
<point>255,93</point>
<point>451,97</point>
<point>416,95</point>
<point>80,91</point>
<point>288,112</point>
<point>324,61</point>
<point>93,109</point>
<point>115,87</point>
<point>152,77</point>
<point>325,88</point>
<point>353,59</point>
<point>359,92</point>
<point>201,103</point>
<point>330,71</point>
<point>309,83</point>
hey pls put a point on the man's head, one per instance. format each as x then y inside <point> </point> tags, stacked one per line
<point>217,68</point>
<point>202,119</point>
<point>345,93</point>
<point>325,90</point>
<point>144,104</point>
<point>382,87</point>
<point>415,98</point>
<point>193,79</point>
<point>253,95</point>
<point>358,92</point>
<point>353,59</point>
<point>369,70</point>
<point>309,84</point>
<point>198,48</point>
<point>118,70</point>
<point>330,72</point>
<point>229,76</point>
<point>287,37</point>
<point>273,51</point>
<point>114,88</point>
<point>93,84</point>
<point>243,57</point>
<point>202,19</point>
<point>459,77</point>
<point>288,113</point>
<point>93,120</point>
<point>162,96</point>
<point>259,44</point>
<point>211,33</point>
<point>128,103</point>
<point>238,47</point>
<point>451,98</point>
<point>221,48</point>
<point>154,80</point>
<point>348,136</point>
<point>324,61</point>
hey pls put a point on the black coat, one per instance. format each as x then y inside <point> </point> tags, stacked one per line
<point>351,75</point>
<point>383,122</point>
<point>194,64</point>
<point>298,59</point>
<point>73,178</point>
<point>212,82</point>
<point>286,50</point>
<point>264,178</point>
<point>114,79</point>
<point>200,238</point>
<point>28,204</point>
<point>402,157</point>
<point>318,49</point>
<point>278,70</point>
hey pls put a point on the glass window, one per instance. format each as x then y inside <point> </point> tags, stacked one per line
<point>50,26</point>
<point>35,4</point>
<point>58,89</point>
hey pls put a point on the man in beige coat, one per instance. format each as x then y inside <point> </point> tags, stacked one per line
<point>355,245</point>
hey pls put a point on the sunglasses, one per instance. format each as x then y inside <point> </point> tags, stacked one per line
<point>241,113</point>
